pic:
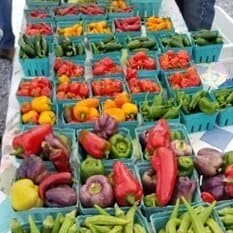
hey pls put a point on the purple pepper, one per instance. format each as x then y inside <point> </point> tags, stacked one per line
<point>97,190</point>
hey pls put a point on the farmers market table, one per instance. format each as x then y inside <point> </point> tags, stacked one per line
<point>9,164</point>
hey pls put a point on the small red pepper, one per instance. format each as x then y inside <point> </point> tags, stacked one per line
<point>54,180</point>
<point>127,189</point>
<point>29,142</point>
<point>159,136</point>
<point>229,180</point>
<point>94,145</point>
<point>207,197</point>
<point>164,163</point>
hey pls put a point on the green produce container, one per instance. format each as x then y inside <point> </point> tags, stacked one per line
<point>148,126</point>
<point>122,130</point>
<point>35,3</point>
<point>108,165</point>
<point>148,211</point>
<point>158,221</point>
<point>40,212</point>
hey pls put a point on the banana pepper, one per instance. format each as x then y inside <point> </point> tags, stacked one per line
<point>24,195</point>
<point>41,104</point>
<point>47,117</point>
<point>30,117</point>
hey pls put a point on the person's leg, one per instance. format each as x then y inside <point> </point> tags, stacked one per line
<point>198,14</point>
<point>8,39</point>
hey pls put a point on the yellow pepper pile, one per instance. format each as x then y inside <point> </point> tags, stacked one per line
<point>121,108</point>
<point>38,111</point>
<point>98,27</point>
<point>74,30</point>
<point>158,24</point>
<point>86,110</point>
<point>119,4</point>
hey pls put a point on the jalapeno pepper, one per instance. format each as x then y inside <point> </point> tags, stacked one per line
<point>185,165</point>
<point>121,146</point>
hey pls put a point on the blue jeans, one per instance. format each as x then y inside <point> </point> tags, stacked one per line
<point>8,38</point>
<point>198,14</point>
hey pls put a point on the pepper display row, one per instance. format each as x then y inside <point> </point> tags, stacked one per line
<point>58,224</point>
<point>37,29</point>
<point>195,219</point>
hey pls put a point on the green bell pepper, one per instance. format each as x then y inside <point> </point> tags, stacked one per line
<point>185,165</point>
<point>121,146</point>
<point>91,166</point>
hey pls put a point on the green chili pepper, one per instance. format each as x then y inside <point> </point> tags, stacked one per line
<point>101,210</point>
<point>154,112</point>
<point>130,217</point>
<point>225,211</point>
<point>105,220</point>
<point>162,231</point>
<point>214,227</point>
<point>118,211</point>
<point>196,98</point>
<point>137,228</point>
<point>116,229</point>
<point>121,146</point>
<point>198,227</point>
<point>173,112</point>
<point>185,165</point>
<point>205,214</point>
<point>101,229</point>
<point>158,99</point>
<point>185,223</point>
<point>91,166</point>
<point>206,106</point>
<point>176,135</point>
<point>150,200</point>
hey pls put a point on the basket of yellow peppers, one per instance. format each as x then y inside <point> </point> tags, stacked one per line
<point>122,109</point>
<point>38,111</point>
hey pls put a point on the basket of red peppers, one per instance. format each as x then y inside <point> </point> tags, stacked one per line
<point>170,173</point>
<point>44,177</point>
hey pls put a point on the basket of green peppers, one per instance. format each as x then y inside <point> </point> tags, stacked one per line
<point>198,111</point>
<point>198,219</point>
<point>225,213</point>
<point>207,45</point>
<point>224,97</point>
<point>158,108</point>
<point>176,42</point>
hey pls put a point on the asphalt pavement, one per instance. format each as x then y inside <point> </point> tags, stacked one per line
<point>6,68</point>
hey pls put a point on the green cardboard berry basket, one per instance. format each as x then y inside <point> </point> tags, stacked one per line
<point>173,126</point>
<point>39,212</point>
<point>36,3</point>
<point>108,169</point>
<point>123,131</point>
<point>141,167</point>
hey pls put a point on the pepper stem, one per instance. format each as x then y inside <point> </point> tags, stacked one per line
<point>94,188</point>
<point>130,199</point>
<point>17,152</point>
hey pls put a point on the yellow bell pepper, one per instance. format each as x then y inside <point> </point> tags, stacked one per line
<point>93,114</point>
<point>47,117</point>
<point>41,104</point>
<point>24,195</point>
<point>30,117</point>
<point>81,113</point>
<point>117,113</point>
<point>63,79</point>
<point>130,110</point>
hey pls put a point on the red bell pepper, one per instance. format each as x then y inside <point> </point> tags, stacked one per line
<point>29,142</point>
<point>164,163</point>
<point>159,136</point>
<point>229,180</point>
<point>94,145</point>
<point>207,197</point>
<point>54,180</point>
<point>127,189</point>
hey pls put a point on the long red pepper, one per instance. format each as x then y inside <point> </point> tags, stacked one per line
<point>29,142</point>
<point>164,163</point>
<point>127,189</point>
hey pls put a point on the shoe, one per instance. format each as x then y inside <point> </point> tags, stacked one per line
<point>7,54</point>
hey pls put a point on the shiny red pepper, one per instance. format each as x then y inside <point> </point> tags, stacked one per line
<point>207,197</point>
<point>164,163</point>
<point>127,189</point>
<point>29,142</point>
<point>159,136</point>
<point>229,180</point>
<point>94,145</point>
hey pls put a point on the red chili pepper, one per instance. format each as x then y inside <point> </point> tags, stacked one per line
<point>164,163</point>
<point>29,142</point>
<point>207,197</point>
<point>229,180</point>
<point>53,180</point>
<point>159,136</point>
<point>93,144</point>
<point>127,189</point>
